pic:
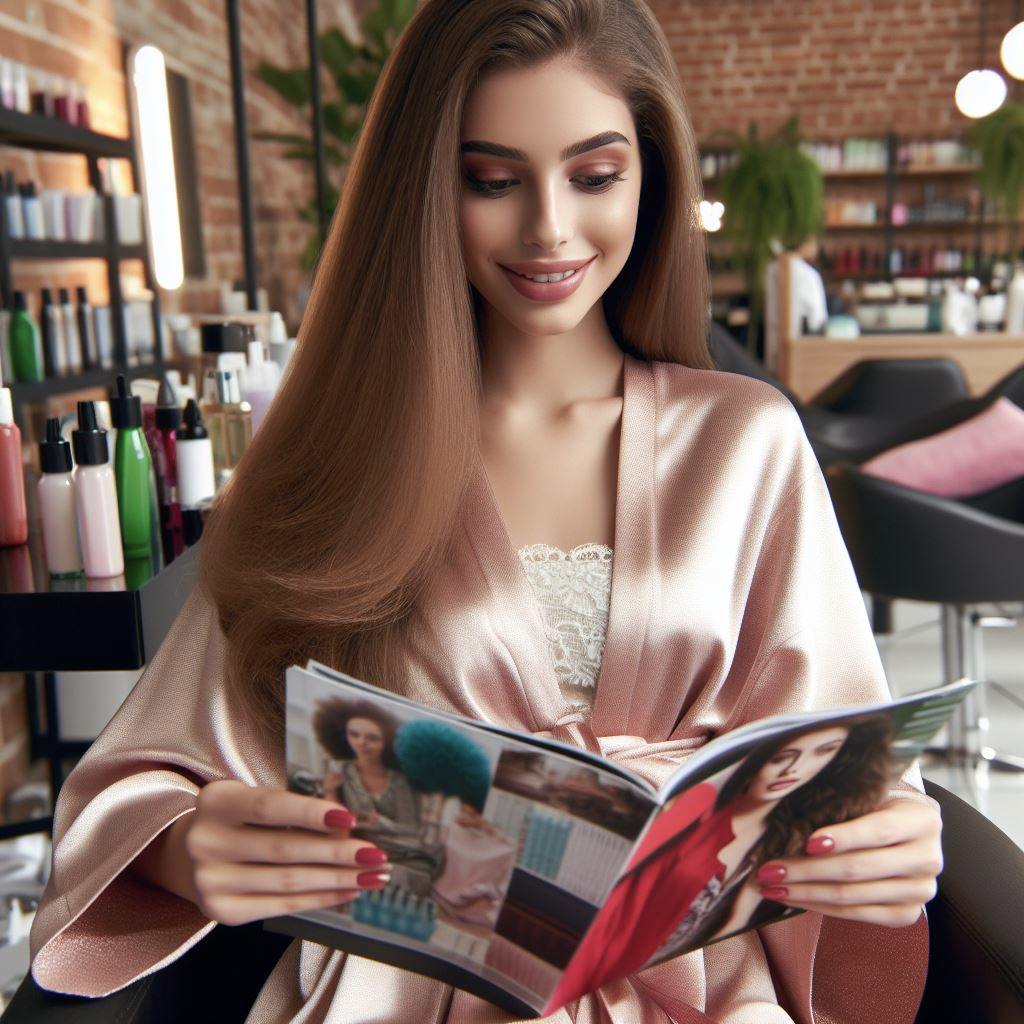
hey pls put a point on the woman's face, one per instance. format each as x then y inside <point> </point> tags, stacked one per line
<point>796,763</point>
<point>366,738</point>
<point>551,188</point>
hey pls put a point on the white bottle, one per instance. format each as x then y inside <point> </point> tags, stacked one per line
<point>99,525</point>
<point>196,482</point>
<point>281,346</point>
<point>259,382</point>
<point>57,511</point>
<point>1014,322</point>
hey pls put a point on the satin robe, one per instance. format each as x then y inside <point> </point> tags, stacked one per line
<point>732,598</point>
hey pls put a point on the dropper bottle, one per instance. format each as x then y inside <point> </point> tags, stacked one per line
<point>96,498</point>
<point>56,499</point>
<point>196,481</point>
<point>163,443</point>
<point>132,470</point>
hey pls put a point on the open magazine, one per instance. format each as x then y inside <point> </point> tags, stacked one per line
<point>529,872</point>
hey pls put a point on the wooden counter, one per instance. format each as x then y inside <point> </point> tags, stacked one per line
<point>809,363</point>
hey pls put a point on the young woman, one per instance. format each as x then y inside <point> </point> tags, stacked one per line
<point>366,778</point>
<point>505,347</point>
<point>687,885</point>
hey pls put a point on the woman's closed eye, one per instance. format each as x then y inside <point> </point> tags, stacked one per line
<point>489,186</point>
<point>597,182</point>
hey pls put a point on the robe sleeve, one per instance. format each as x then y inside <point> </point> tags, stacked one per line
<point>98,928</point>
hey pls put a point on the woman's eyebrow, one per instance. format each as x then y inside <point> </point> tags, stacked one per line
<point>576,149</point>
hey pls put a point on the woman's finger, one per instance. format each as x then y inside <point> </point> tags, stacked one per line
<point>916,859</point>
<point>836,895</point>
<point>232,802</point>
<point>899,821</point>
<point>286,879</point>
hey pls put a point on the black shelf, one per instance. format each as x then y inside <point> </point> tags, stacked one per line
<point>32,131</point>
<point>83,629</point>
<point>44,249</point>
<point>26,392</point>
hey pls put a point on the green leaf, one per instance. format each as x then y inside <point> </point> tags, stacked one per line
<point>336,51</point>
<point>291,84</point>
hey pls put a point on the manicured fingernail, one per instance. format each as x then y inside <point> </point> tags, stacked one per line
<point>771,873</point>
<point>338,818</point>
<point>372,880</point>
<point>775,892</point>
<point>371,855</point>
<point>820,844</point>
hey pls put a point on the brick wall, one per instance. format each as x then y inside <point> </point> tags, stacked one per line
<point>844,66</point>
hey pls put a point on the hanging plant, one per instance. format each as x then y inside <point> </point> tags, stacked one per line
<point>999,139</point>
<point>773,194</point>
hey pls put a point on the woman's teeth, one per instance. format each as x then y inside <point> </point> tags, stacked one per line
<point>548,278</point>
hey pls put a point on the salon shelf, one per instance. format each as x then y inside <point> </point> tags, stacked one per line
<point>33,249</point>
<point>32,131</point>
<point>79,628</point>
<point>26,392</point>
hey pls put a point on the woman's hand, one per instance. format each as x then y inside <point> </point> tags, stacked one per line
<point>252,852</point>
<point>880,868</point>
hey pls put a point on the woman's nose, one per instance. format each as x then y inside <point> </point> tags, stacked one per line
<point>549,223</point>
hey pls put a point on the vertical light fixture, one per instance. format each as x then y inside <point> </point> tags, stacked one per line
<point>152,125</point>
<point>982,91</point>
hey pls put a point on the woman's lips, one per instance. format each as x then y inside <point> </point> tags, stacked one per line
<point>781,784</point>
<point>547,291</point>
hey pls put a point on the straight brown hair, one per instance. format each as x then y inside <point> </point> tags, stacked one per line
<point>347,499</point>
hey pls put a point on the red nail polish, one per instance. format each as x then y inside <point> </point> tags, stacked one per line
<point>339,819</point>
<point>775,892</point>
<point>820,844</point>
<point>372,880</point>
<point>371,855</point>
<point>770,873</point>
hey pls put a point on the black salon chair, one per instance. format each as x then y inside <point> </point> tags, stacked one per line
<point>855,416</point>
<point>976,971</point>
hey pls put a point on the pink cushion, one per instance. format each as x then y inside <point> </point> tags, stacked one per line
<point>974,456</point>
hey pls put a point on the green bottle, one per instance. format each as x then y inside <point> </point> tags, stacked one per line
<point>132,471</point>
<point>23,335</point>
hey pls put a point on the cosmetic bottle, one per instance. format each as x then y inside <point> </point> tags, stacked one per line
<point>13,511</point>
<point>23,343</point>
<point>72,342</point>
<point>31,211</point>
<point>86,331</point>
<point>6,83</point>
<point>163,445</point>
<point>260,383</point>
<point>12,207</point>
<point>228,419</point>
<point>196,481</point>
<point>96,498</point>
<point>22,95</point>
<point>56,500</point>
<point>54,350</point>
<point>132,469</point>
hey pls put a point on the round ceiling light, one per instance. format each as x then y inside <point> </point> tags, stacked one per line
<point>980,93</point>
<point>1012,51</point>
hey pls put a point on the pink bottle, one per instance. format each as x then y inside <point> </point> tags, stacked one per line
<point>13,512</point>
<point>99,526</point>
<point>55,498</point>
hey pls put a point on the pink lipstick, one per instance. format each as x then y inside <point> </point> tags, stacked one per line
<point>547,281</point>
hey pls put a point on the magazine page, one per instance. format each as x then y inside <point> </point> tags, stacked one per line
<point>691,879</point>
<point>502,850</point>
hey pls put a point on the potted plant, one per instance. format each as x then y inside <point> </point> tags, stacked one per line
<point>773,195</point>
<point>353,68</point>
<point>999,139</point>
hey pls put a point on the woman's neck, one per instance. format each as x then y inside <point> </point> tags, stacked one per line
<point>550,373</point>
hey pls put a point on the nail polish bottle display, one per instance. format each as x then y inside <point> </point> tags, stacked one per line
<point>24,344</point>
<point>132,469</point>
<point>13,510</point>
<point>54,350</point>
<point>56,500</point>
<point>96,498</point>
<point>163,445</point>
<point>228,419</point>
<point>69,323</point>
<point>196,481</point>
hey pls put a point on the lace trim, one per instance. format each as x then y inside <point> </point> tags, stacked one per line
<point>572,589</point>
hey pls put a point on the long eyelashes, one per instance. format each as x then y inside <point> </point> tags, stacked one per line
<point>493,188</point>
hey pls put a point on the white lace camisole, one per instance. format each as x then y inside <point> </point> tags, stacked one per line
<point>572,589</point>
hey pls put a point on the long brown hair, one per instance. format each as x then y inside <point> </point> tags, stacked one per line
<point>347,499</point>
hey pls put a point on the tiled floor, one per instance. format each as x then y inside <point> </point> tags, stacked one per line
<point>913,661</point>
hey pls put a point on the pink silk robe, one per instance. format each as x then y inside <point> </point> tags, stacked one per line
<point>732,598</point>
